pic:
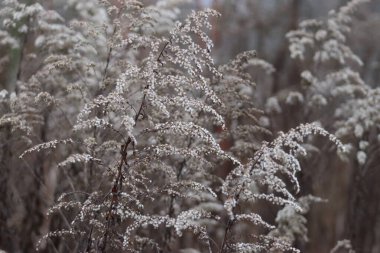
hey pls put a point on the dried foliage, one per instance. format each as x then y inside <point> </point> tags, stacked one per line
<point>141,143</point>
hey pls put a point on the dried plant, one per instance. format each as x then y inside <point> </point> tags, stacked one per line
<point>150,146</point>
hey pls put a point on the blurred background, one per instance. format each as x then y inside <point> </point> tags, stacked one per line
<point>352,210</point>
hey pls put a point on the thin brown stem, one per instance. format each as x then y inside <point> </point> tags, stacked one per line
<point>236,197</point>
<point>225,238</point>
<point>118,183</point>
<point>168,233</point>
<point>105,71</point>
